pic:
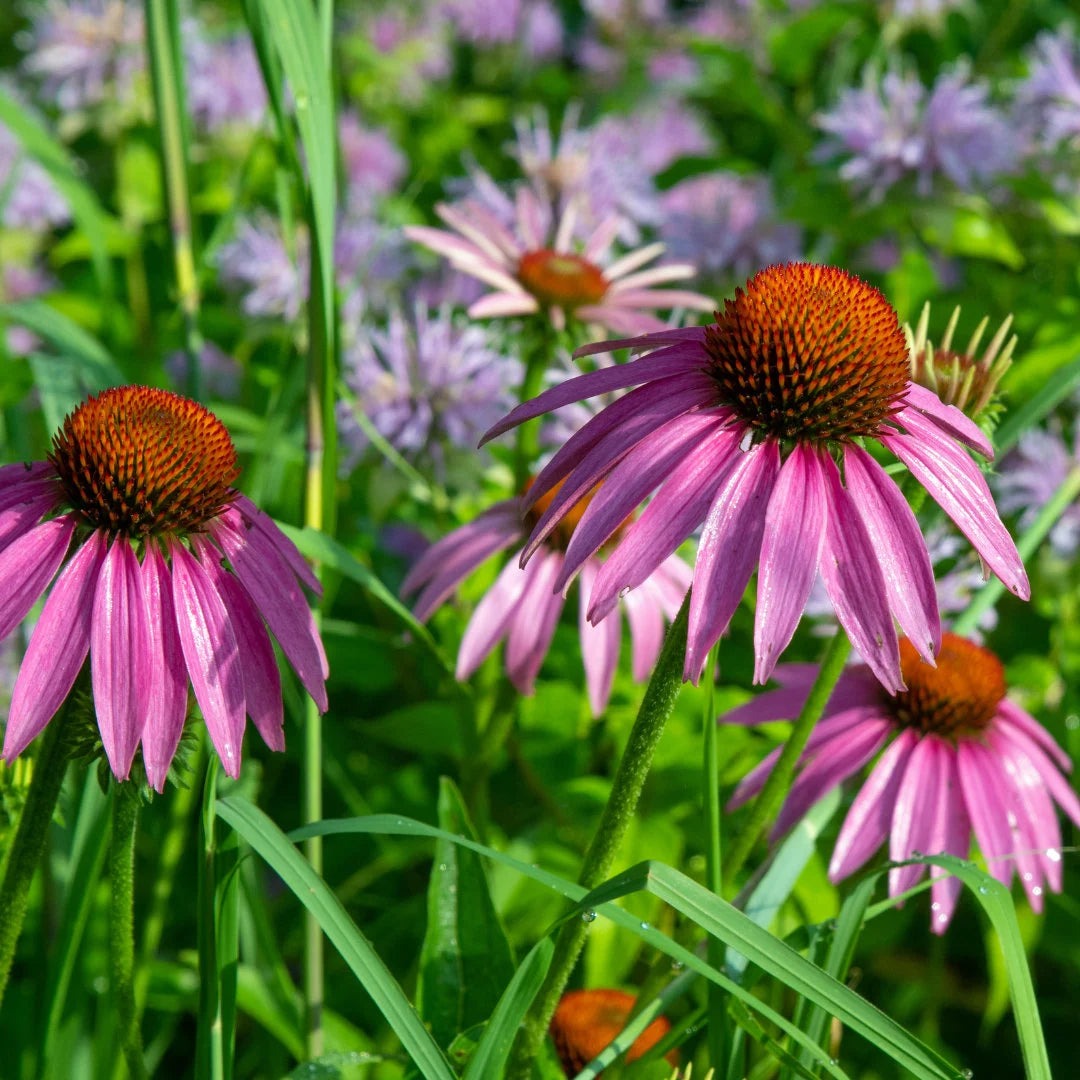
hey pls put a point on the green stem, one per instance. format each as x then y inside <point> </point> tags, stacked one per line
<point>656,707</point>
<point>1027,545</point>
<point>714,876</point>
<point>122,925</point>
<point>28,845</point>
<point>528,434</point>
<point>776,786</point>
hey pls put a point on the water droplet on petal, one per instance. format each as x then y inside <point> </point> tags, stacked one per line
<point>1053,854</point>
<point>935,906</point>
<point>588,916</point>
<point>1037,891</point>
<point>747,441</point>
<point>943,918</point>
<point>1027,875</point>
<point>624,592</point>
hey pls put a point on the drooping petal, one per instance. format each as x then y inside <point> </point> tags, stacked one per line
<point>869,820</point>
<point>915,812</point>
<point>956,484</point>
<point>951,836</point>
<point>855,584</point>
<point>266,525</point>
<point>27,565</point>
<point>57,649</point>
<point>534,623</point>
<point>1055,783</point>
<point>168,673</point>
<point>662,298</point>
<point>693,335</point>
<point>1027,723</point>
<point>947,417</point>
<point>491,619</point>
<point>120,656</point>
<point>900,549</point>
<point>645,616</point>
<point>22,515</point>
<point>212,655</point>
<point>795,524</point>
<point>500,304</point>
<point>983,801</point>
<point>599,646</point>
<point>855,687</point>
<point>728,550</point>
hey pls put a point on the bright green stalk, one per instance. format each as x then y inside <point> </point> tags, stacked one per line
<point>28,845</point>
<point>717,1005</point>
<point>777,785</point>
<point>209,1064</point>
<point>656,707</point>
<point>1027,545</point>
<point>121,858</point>
<point>167,71</point>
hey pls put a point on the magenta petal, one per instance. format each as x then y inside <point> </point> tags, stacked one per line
<point>728,550</point>
<point>947,417</point>
<point>120,656</point>
<point>659,365</point>
<point>855,584</point>
<point>982,797</point>
<point>534,622</point>
<point>899,547</point>
<point>24,471</point>
<point>168,672</point>
<point>957,485</point>
<point>599,646</point>
<point>855,687</point>
<point>269,582</point>
<point>869,820</point>
<point>27,565</point>
<point>795,524</point>
<point>23,515</point>
<point>645,616</point>
<point>689,334</point>
<point>1034,730</point>
<point>1055,783</point>
<point>262,680</point>
<point>213,659</point>
<point>57,649</point>
<point>915,812</point>
<point>253,516</point>
<point>951,836</point>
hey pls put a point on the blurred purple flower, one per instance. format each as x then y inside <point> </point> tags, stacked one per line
<point>415,47</point>
<point>373,164</point>
<point>1048,100</point>
<point>22,283</point>
<point>220,373</point>
<point>673,66</point>
<point>894,130</point>
<point>30,199</point>
<point>256,264</point>
<point>484,22</point>
<point>423,383</point>
<point>726,223</point>
<point>369,261</point>
<point>542,30</point>
<point>224,83</point>
<point>924,11</point>
<point>85,51</point>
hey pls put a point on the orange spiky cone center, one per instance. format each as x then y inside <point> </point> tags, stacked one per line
<point>561,279</point>
<point>587,1020</point>
<point>140,461</point>
<point>809,353</point>
<point>560,536</point>
<point>958,697</point>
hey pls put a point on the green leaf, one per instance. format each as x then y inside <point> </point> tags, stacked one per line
<point>310,889</point>
<point>465,960</point>
<point>972,232</point>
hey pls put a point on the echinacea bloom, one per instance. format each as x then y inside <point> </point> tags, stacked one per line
<point>958,756</point>
<point>523,607</point>
<point>531,272</point>
<point>135,510</point>
<point>741,425</point>
<point>586,1021</point>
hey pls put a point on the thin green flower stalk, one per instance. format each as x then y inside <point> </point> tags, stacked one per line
<point>656,706</point>
<point>714,875</point>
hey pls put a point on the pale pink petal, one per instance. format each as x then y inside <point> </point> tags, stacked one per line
<point>728,550</point>
<point>692,335</point>
<point>530,218</point>
<point>491,619</point>
<point>661,298</point>
<point>677,360</point>
<point>252,515</point>
<point>57,649</point>
<point>957,485</point>
<point>599,646</point>
<point>795,524</point>
<point>455,248</point>
<point>212,655</point>
<point>619,320</point>
<point>497,305</point>
<point>596,245</point>
<point>947,417</point>
<point>982,797</point>
<point>533,624</point>
<point>855,584</point>
<point>655,275</point>
<point>1027,723</point>
<point>27,565</point>
<point>869,820</point>
<point>624,265</point>
<point>915,812</point>
<point>1055,783</point>
<point>167,708</point>
<point>646,619</point>
<point>952,836</point>
<point>496,243</point>
<point>900,549</point>
<point>120,656</point>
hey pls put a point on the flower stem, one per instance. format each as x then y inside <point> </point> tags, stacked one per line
<point>779,781</point>
<point>28,845</point>
<point>1027,545</point>
<point>125,812</point>
<point>714,874</point>
<point>656,707</point>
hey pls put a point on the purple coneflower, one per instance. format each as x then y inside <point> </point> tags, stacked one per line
<point>532,272</point>
<point>958,755</point>
<point>741,425</point>
<point>141,472</point>
<point>523,606</point>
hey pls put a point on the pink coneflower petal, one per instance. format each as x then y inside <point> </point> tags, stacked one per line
<point>24,472</point>
<point>855,584</point>
<point>728,550</point>
<point>491,619</point>
<point>599,646</point>
<point>645,343</point>
<point>1055,783</point>
<point>914,813</point>
<point>120,656</point>
<point>899,547</point>
<point>502,519</point>
<point>674,512</point>
<point>656,275</point>
<point>20,518</point>
<point>603,236</point>
<point>57,649</point>
<point>646,619</point>
<point>23,491</point>
<point>622,267</point>
<point>453,247</point>
<point>957,485</point>
<point>790,553</point>
<point>660,298</point>
<point>495,242</point>
<point>1034,730</point>
<point>983,800</point>
<point>534,624</point>
<point>497,305</point>
<point>212,655</point>
<point>952,835</point>
<point>252,515</point>
<point>169,678</point>
<point>947,417</point>
<point>854,689</point>
<point>869,820</point>
<point>530,219</point>
<point>27,565</point>
<point>621,320</point>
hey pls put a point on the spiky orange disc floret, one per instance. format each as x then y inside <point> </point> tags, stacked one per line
<point>587,1020</point>
<point>137,461</point>
<point>561,534</point>
<point>809,352</point>
<point>958,697</point>
<point>561,279</point>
